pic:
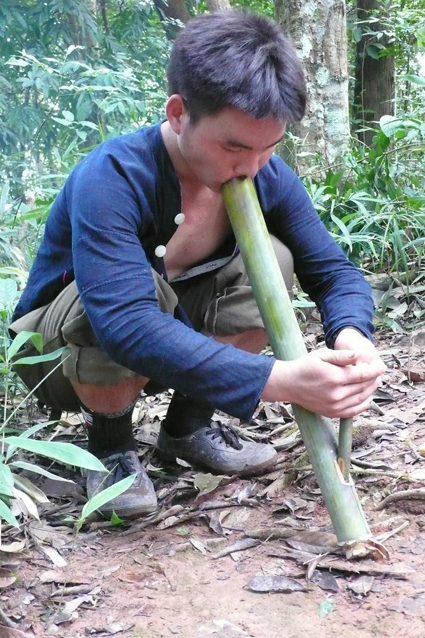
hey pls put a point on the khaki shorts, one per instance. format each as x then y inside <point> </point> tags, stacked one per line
<point>217,303</point>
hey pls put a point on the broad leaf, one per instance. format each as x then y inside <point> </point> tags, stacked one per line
<point>8,293</point>
<point>416,79</point>
<point>7,515</point>
<point>63,452</point>
<point>6,481</point>
<point>22,338</point>
<point>105,496</point>
<point>41,358</point>
<point>27,501</point>
<point>6,475</point>
<point>390,124</point>
<point>25,485</point>
<point>25,435</point>
<point>30,467</point>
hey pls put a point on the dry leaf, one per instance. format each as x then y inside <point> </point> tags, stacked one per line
<point>235,519</point>
<point>13,548</point>
<point>6,578</point>
<point>27,486</point>
<point>277,488</point>
<point>416,374</point>
<point>53,576</point>
<point>8,632</point>
<point>29,504</point>
<point>198,545</point>
<point>207,483</point>
<point>54,555</point>
<point>361,586</point>
<point>239,546</point>
<point>325,581</point>
<point>313,542</point>
<point>274,584</point>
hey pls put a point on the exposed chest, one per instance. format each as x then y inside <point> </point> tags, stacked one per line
<point>204,230</point>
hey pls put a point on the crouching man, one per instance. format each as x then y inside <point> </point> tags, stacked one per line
<point>139,273</point>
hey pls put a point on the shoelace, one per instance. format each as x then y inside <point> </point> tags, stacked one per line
<point>219,430</point>
<point>120,466</point>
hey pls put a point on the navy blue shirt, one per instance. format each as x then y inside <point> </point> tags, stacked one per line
<point>116,207</point>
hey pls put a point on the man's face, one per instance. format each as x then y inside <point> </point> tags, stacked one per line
<point>226,145</point>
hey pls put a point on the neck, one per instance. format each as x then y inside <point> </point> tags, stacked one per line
<point>183,170</point>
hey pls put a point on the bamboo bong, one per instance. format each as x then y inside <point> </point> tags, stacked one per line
<point>285,338</point>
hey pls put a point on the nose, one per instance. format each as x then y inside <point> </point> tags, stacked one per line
<point>248,166</point>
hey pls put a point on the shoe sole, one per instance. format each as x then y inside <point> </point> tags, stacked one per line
<point>258,470</point>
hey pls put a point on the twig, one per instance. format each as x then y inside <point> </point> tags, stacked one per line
<point>6,620</point>
<point>408,495</point>
<point>370,472</point>
<point>271,534</point>
<point>377,408</point>
<point>384,537</point>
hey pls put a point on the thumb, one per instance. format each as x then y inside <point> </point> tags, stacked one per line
<point>338,357</point>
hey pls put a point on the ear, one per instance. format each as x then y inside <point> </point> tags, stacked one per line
<point>175,109</point>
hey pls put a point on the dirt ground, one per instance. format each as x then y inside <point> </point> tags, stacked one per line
<point>194,569</point>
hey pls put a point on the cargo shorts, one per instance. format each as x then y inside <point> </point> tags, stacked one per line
<point>217,303</point>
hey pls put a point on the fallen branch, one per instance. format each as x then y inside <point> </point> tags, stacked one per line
<point>406,495</point>
<point>340,565</point>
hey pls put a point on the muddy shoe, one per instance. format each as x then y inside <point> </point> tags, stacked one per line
<point>218,449</point>
<point>138,500</point>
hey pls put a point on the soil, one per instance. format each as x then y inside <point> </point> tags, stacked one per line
<point>161,577</point>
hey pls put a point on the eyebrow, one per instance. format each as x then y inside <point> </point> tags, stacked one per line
<point>237,144</point>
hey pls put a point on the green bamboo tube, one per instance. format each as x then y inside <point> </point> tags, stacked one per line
<point>345,445</point>
<point>287,343</point>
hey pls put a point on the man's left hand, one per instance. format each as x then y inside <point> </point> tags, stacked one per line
<point>351,339</point>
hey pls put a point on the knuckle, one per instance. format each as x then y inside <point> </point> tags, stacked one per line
<point>335,396</point>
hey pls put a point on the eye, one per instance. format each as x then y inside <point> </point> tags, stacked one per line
<point>231,149</point>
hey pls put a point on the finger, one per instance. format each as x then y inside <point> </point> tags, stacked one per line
<point>355,410</point>
<point>349,393</point>
<point>354,401</point>
<point>362,373</point>
<point>337,357</point>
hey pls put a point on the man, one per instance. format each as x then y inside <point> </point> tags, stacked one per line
<point>138,272</point>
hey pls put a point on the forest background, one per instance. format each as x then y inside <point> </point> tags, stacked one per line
<point>75,72</point>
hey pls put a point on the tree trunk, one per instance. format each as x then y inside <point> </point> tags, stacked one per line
<point>101,11</point>
<point>318,31</point>
<point>218,5</point>
<point>173,14</point>
<point>374,86</point>
<point>83,25</point>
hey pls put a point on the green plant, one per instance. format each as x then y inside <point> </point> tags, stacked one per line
<point>373,202</point>
<point>13,485</point>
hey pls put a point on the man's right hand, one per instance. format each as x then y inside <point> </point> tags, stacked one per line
<point>333,383</point>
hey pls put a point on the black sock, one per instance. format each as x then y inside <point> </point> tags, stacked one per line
<point>109,433</point>
<point>185,416</point>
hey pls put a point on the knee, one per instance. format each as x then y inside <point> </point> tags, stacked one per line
<point>108,399</point>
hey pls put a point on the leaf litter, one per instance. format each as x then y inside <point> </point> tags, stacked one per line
<point>274,527</point>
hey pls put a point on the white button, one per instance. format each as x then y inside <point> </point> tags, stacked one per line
<point>179,219</point>
<point>160,251</point>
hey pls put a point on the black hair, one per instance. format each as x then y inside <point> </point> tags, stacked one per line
<point>237,59</point>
